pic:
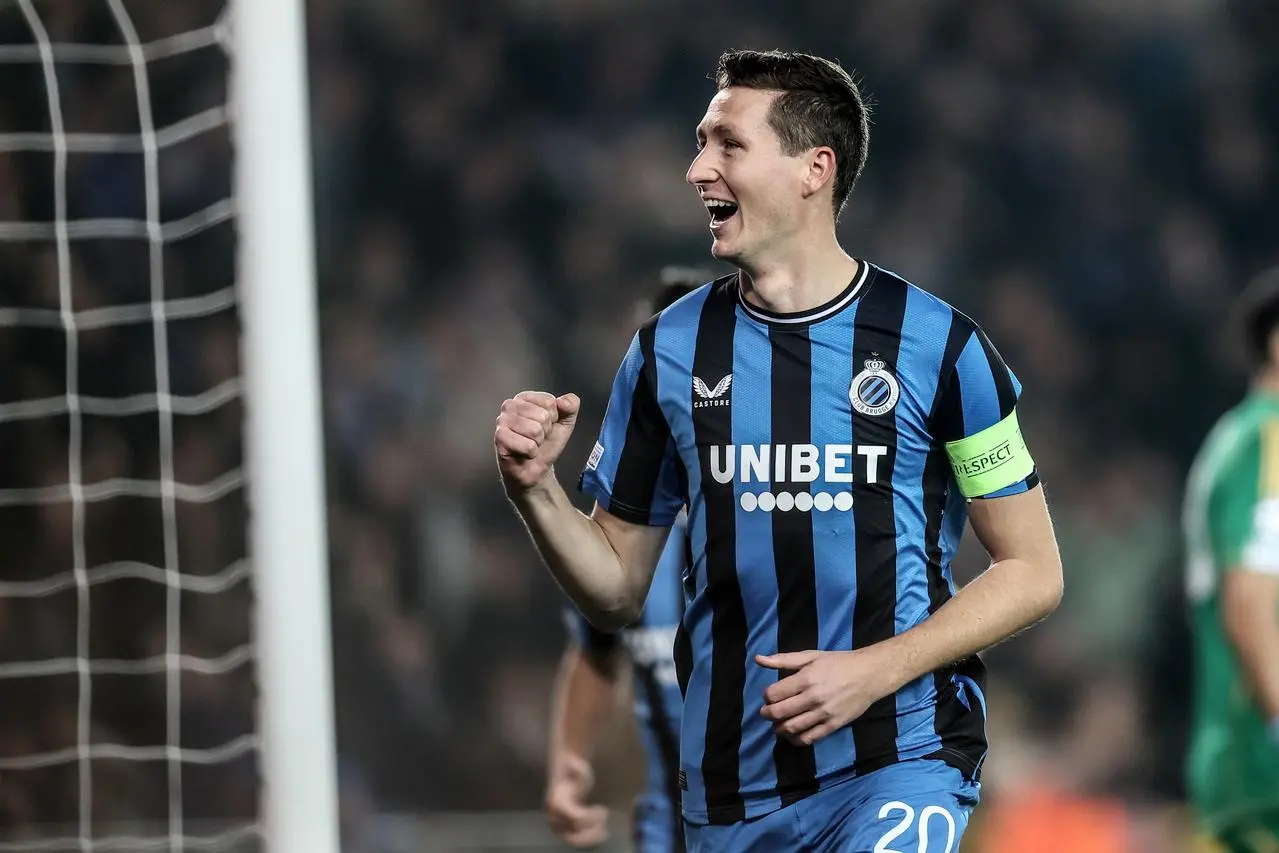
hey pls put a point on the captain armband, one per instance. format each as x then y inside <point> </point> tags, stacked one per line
<point>990,460</point>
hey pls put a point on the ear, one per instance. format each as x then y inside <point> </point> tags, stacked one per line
<point>820,170</point>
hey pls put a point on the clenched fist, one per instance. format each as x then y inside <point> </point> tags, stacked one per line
<point>532,429</point>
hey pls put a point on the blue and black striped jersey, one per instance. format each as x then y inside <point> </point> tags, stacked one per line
<point>823,514</point>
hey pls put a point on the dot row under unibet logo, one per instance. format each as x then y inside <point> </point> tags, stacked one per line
<point>800,501</point>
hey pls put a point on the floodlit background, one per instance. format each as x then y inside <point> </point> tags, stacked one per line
<point>496,184</point>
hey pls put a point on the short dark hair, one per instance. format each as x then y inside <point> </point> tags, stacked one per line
<point>1256,316</point>
<point>676,282</point>
<point>820,104</point>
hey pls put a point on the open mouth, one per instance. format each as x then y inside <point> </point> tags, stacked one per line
<point>720,211</point>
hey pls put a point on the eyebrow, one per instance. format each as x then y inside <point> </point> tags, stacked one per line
<point>719,128</point>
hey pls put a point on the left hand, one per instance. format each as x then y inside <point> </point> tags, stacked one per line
<point>825,692</point>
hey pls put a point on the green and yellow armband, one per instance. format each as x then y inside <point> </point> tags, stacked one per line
<point>993,459</point>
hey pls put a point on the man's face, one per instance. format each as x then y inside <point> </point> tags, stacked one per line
<point>751,189</point>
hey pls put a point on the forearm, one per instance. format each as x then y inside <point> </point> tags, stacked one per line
<point>583,700</point>
<point>1249,610</point>
<point>1258,651</point>
<point>579,556</point>
<point>1010,596</point>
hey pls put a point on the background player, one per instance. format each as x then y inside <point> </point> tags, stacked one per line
<point>1232,537</point>
<point>828,425</point>
<point>585,690</point>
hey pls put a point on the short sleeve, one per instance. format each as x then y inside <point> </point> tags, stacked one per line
<point>634,471</point>
<point>977,423</point>
<point>1244,512</point>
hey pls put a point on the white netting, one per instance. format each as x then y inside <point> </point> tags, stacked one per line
<point>126,691</point>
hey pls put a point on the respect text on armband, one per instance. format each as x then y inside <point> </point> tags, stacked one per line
<point>984,462</point>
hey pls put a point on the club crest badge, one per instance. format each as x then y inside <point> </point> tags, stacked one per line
<point>874,391</point>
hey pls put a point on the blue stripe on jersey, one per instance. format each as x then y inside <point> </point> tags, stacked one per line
<point>658,704</point>
<point>952,531</point>
<point>675,343</point>
<point>833,533</point>
<point>752,422</point>
<point>617,416</point>
<point>919,364</point>
<point>980,394</point>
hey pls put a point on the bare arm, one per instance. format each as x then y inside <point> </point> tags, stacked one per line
<point>1022,586</point>
<point>583,700</point>
<point>1250,611</point>
<point>605,565</point>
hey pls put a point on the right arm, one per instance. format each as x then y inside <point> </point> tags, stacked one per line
<point>604,562</point>
<point>584,698</point>
<point>1250,611</point>
<point>1245,515</point>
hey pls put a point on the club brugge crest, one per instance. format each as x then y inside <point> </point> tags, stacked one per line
<point>874,391</point>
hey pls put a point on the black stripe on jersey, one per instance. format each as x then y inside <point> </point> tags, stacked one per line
<point>946,420</point>
<point>683,651</point>
<point>877,334</point>
<point>1003,378</point>
<point>961,723</point>
<point>690,565</point>
<point>647,436</point>
<point>962,730</point>
<point>793,559</point>
<point>662,728</point>
<point>712,359</point>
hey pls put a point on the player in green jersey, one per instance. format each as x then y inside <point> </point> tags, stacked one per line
<point>1232,539</point>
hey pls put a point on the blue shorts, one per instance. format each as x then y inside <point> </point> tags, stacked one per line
<point>919,806</point>
<point>656,825</point>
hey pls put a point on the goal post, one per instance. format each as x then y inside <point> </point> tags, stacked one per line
<point>283,430</point>
<point>155,219</point>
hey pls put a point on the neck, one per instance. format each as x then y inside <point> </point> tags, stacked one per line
<point>801,280</point>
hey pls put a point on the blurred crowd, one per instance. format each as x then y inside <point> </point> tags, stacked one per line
<point>497,184</point>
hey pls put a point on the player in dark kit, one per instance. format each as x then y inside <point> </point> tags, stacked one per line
<point>586,686</point>
<point>830,427</point>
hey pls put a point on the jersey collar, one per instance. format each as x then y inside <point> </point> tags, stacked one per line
<point>813,315</point>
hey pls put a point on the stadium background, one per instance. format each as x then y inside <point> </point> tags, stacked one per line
<point>496,184</point>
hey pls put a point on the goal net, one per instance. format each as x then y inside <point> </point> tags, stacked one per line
<point>128,717</point>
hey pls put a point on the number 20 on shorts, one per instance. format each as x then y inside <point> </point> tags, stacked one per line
<point>926,816</point>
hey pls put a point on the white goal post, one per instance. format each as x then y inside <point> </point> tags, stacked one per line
<point>289,545</point>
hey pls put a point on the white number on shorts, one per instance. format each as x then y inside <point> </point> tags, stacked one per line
<point>925,817</point>
<point>891,835</point>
